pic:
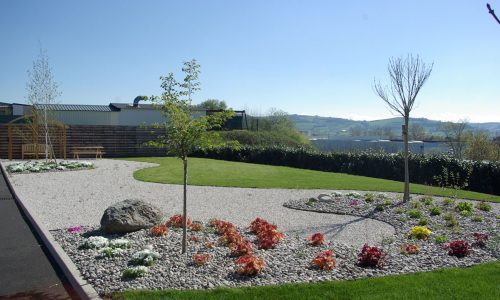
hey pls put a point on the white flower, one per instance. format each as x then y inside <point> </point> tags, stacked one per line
<point>337,194</point>
<point>95,242</point>
<point>135,271</point>
<point>145,257</point>
<point>120,243</point>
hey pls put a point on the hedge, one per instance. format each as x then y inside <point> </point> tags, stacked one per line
<point>481,177</point>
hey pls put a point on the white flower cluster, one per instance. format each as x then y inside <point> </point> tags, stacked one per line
<point>135,271</point>
<point>95,242</point>
<point>336,194</point>
<point>39,166</point>
<point>145,257</point>
<point>354,195</point>
<point>120,243</point>
<point>111,252</point>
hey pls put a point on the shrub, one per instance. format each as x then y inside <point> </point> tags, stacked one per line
<point>409,249</point>
<point>371,257</point>
<point>324,261</point>
<point>423,221</point>
<point>441,239</point>
<point>249,265</point>
<point>379,207</point>
<point>459,248</point>
<point>483,206</point>
<point>435,211</point>
<point>176,221</point>
<point>354,195</point>
<point>200,259</point>
<point>419,232</point>
<point>414,213</point>
<point>268,235</point>
<point>133,272</point>
<point>120,243</point>
<point>159,230</point>
<point>427,200</point>
<point>480,239</point>
<point>464,206</point>
<point>416,204</point>
<point>465,213</point>
<point>241,247</point>
<point>316,239</point>
<point>399,210</point>
<point>145,257</point>
<point>111,252</point>
<point>477,219</point>
<point>387,202</point>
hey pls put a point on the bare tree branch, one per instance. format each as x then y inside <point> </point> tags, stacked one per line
<point>492,12</point>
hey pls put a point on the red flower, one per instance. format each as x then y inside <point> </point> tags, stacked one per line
<point>371,257</point>
<point>324,260</point>
<point>250,265</point>
<point>316,239</point>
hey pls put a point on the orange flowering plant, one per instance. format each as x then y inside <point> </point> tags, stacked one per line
<point>316,239</point>
<point>324,260</point>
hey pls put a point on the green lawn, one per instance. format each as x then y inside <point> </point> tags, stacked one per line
<point>478,282</point>
<point>235,174</point>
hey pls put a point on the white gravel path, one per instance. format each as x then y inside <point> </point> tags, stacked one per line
<point>71,198</point>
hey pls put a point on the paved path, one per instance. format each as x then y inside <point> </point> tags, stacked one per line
<point>25,270</point>
<point>64,199</point>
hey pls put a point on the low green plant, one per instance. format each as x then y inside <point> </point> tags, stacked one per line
<point>465,213</point>
<point>440,239</point>
<point>483,206</point>
<point>477,218</point>
<point>387,202</point>
<point>448,202</point>
<point>427,200</point>
<point>414,213</point>
<point>311,201</point>
<point>134,272</point>
<point>369,197</point>
<point>464,206</point>
<point>416,204</point>
<point>435,211</point>
<point>456,229</point>
<point>111,252</point>
<point>145,257</point>
<point>451,220</point>
<point>379,207</point>
<point>423,221</point>
<point>399,210</point>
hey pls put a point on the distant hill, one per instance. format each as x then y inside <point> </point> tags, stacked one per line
<point>324,127</point>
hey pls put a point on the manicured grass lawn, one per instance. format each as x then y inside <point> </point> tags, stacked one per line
<point>478,282</point>
<point>235,174</point>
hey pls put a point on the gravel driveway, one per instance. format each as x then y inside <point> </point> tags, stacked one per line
<point>64,199</point>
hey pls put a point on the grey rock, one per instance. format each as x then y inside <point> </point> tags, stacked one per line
<point>129,216</point>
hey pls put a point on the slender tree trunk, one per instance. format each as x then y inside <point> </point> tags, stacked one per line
<point>184,211</point>
<point>46,134</point>
<point>406,196</point>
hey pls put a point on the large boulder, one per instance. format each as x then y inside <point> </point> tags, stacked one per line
<point>130,215</point>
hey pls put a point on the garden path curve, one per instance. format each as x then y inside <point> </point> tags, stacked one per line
<point>64,199</point>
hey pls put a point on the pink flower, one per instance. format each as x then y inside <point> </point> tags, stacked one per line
<point>75,229</point>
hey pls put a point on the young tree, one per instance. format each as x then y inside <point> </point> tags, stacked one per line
<point>42,89</point>
<point>184,132</point>
<point>455,136</point>
<point>407,76</point>
<point>417,132</point>
<point>480,146</point>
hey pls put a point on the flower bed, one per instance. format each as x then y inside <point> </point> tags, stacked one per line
<point>221,254</point>
<point>42,166</point>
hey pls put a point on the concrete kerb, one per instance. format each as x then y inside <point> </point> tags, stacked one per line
<point>80,285</point>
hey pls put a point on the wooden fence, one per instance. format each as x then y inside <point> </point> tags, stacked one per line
<point>118,141</point>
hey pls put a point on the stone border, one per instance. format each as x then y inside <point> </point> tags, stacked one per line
<point>81,286</point>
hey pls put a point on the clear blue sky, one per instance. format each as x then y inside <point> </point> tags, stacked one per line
<point>304,57</point>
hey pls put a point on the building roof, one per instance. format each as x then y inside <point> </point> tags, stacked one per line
<point>75,107</point>
<point>131,106</point>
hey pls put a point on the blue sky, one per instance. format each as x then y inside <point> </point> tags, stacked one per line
<point>304,57</point>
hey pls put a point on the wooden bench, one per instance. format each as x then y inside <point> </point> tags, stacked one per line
<point>94,150</point>
<point>35,150</point>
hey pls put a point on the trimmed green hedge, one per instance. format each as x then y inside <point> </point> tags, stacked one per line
<point>484,177</point>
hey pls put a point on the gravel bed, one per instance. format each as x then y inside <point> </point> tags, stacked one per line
<point>65,199</point>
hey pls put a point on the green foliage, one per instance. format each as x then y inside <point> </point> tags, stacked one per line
<point>416,204</point>
<point>264,138</point>
<point>451,220</point>
<point>423,221</point>
<point>369,197</point>
<point>427,200</point>
<point>213,104</point>
<point>414,213</point>
<point>435,211</point>
<point>477,218</point>
<point>379,207</point>
<point>484,206</point>
<point>448,202</point>
<point>440,239</point>
<point>464,206</point>
<point>465,213</point>
<point>398,210</point>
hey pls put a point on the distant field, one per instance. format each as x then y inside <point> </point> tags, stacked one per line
<point>209,172</point>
